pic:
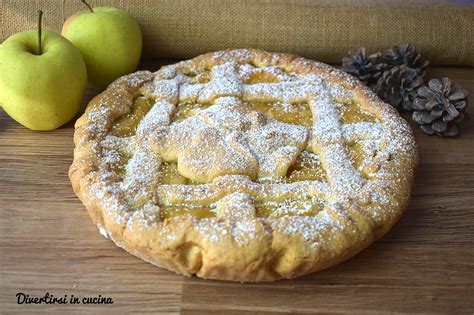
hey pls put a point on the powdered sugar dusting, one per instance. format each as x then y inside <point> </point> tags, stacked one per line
<point>231,148</point>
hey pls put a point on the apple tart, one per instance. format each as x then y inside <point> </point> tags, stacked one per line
<point>242,165</point>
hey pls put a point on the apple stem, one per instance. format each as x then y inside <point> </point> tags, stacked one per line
<point>87,4</point>
<point>40,17</point>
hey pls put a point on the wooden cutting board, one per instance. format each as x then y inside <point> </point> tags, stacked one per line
<point>48,244</point>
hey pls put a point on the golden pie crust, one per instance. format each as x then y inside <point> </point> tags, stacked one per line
<point>242,165</point>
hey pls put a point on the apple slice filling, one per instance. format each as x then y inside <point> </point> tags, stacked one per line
<point>126,125</point>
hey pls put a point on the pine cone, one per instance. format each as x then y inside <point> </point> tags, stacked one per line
<point>398,86</point>
<point>406,54</point>
<point>368,69</point>
<point>439,107</point>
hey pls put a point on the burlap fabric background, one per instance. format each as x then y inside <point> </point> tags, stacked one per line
<point>323,30</point>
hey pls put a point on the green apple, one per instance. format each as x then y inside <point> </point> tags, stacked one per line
<point>110,41</point>
<point>43,79</point>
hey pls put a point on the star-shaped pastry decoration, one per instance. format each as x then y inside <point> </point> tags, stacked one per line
<point>230,138</point>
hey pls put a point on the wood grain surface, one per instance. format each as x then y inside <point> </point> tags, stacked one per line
<point>48,243</point>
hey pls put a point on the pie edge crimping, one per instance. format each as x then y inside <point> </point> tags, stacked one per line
<point>276,251</point>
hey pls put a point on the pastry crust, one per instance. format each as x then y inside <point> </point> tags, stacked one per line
<point>228,158</point>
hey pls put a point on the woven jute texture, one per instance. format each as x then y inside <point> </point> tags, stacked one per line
<point>324,30</point>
